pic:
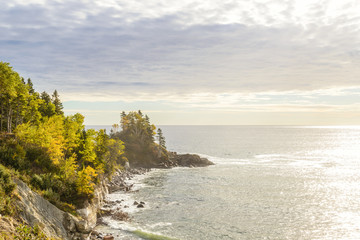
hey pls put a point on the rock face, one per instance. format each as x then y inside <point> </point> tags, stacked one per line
<point>89,212</point>
<point>35,210</point>
<point>54,222</point>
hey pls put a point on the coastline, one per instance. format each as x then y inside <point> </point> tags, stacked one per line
<point>119,204</point>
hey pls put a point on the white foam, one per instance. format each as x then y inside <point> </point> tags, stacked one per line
<point>127,198</point>
<point>130,227</point>
<point>159,224</point>
<point>124,226</point>
<point>225,161</point>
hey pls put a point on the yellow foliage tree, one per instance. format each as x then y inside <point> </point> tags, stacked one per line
<point>114,154</point>
<point>85,181</point>
<point>74,124</point>
<point>69,167</point>
<point>48,134</point>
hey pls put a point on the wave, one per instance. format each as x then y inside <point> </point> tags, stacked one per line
<point>126,229</point>
<point>295,159</point>
<point>224,160</point>
<point>151,236</point>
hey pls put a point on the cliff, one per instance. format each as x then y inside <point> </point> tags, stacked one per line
<point>35,210</point>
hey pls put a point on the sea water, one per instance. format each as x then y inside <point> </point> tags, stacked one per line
<point>269,182</point>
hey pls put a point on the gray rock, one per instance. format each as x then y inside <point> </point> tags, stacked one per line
<point>35,210</point>
<point>55,223</point>
<point>83,227</point>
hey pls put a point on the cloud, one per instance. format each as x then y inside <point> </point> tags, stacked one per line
<point>153,49</point>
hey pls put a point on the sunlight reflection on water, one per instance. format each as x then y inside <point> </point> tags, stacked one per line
<point>280,183</point>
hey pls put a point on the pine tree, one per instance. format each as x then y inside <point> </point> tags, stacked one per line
<point>46,108</point>
<point>45,96</point>
<point>30,86</point>
<point>161,138</point>
<point>123,121</point>
<point>58,105</point>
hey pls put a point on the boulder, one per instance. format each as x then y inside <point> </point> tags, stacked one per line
<point>108,237</point>
<point>83,226</point>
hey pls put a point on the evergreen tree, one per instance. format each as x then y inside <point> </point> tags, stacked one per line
<point>30,86</point>
<point>123,121</point>
<point>58,105</point>
<point>161,138</point>
<point>46,97</point>
<point>46,108</point>
<point>12,96</point>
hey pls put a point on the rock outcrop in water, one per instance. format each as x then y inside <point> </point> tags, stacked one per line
<point>191,160</point>
<point>185,160</point>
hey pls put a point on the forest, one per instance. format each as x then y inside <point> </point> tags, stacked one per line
<point>55,154</point>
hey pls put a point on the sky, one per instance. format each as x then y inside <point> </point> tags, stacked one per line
<point>191,62</point>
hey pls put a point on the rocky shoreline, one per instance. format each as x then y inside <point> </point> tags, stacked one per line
<point>55,223</point>
<point>115,208</point>
<point>120,180</point>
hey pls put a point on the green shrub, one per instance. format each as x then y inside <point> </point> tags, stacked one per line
<point>12,154</point>
<point>52,196</point>
<point>6,206</point>
<point>37,181</point>
<point>39,158</point>
<point>28,233</point>
<point>7,187</point>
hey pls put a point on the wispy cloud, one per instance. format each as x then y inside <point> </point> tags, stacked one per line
<point>195,52</point>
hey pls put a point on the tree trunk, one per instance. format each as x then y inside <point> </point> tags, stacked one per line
<point>2,117</point>
<point>9,121</point>
<point>17,120</point>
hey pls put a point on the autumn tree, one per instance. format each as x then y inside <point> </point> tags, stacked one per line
<point>48,134</point>
<point>55,152</point>
<point>73,130</point>
<point>86,181</point>
<point>114,156</point>
<point>87,154</point>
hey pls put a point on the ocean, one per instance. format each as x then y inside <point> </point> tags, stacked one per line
<point>269,182</point>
